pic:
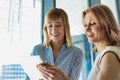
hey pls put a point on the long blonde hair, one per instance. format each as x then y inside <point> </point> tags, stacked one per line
<point>54,14</point>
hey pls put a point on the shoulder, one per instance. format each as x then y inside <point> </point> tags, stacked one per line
<point>76,50</point>
<point>105,54</point>
<point>110,66</point>
<point>37,49</point>
<point>112,50</point>
<point>110,57</point>
<point>110,61</point>
<point>39,46</point>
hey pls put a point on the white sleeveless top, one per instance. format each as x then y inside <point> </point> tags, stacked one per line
<point>95,69</point>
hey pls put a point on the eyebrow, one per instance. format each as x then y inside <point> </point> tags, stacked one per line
<point>55,22</point>
<point>58,22</point>
<point>89,21</point>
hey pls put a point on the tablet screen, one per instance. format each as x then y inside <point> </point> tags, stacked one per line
<point>28,64</point>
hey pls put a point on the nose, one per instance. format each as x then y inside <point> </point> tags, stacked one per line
<point>87,28</point>
<point>54,29</point>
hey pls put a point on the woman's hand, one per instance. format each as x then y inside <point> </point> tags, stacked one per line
<point>51,72</point>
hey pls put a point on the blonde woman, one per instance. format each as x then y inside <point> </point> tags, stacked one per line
<point>102,30</point>
<point>64,61</point>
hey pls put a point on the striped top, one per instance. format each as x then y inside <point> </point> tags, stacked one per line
<point>69,59</point>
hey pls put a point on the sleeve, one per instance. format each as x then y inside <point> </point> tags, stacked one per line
<point>77,66</point>
<point>36,50</point>
<point>39,50</point>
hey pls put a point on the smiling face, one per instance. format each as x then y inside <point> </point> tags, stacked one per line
<point>93,31</point>
<point>55,29</point>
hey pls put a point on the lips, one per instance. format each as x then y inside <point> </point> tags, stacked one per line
<point>89,35</point>
<point>55,35</point>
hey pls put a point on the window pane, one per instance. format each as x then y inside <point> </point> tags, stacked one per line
<point>20,26</point>
<point>74,10</point>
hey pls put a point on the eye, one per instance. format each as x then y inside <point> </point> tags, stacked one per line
<point>93,23</point>
<point>58,25</point>
<point>49,25</point>
<point>85,25</point>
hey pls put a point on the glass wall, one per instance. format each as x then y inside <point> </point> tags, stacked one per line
<point>19,26</point>
<point>74,10</point>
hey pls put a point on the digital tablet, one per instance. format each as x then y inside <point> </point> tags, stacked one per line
<point>28,64</point>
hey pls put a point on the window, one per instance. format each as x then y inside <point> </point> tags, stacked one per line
<point>74,10</point>
<point>19,26</point>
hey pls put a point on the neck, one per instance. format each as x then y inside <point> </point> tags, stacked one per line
<point>56,47</point>
<point>58,44</point>
<point>101,46</point>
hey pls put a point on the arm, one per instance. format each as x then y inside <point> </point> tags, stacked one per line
<point>109,67</point>
<point>77,66</point>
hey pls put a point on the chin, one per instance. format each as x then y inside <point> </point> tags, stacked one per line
<point>56,41</point>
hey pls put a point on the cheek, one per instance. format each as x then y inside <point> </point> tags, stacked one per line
<point>99,33</point>
<point>96,30</point>
<point>61,30</point>
<point>48,30</point>
<point>85,31</point>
